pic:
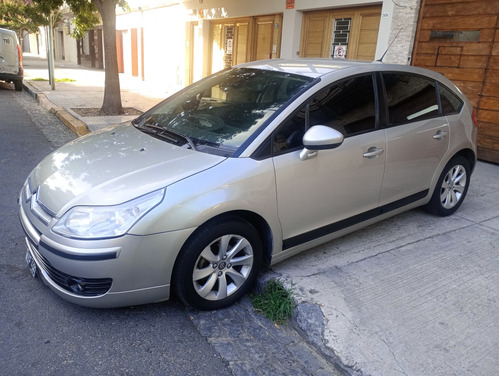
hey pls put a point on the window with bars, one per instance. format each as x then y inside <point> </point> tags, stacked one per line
<point>340,36</point>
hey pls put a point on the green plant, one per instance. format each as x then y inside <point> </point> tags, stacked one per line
<point>57,79</point>
<point>274,301</point>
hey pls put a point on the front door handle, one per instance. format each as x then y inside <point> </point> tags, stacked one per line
<point>373,152</point>
<point>440,135</point>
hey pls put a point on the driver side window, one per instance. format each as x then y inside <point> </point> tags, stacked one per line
<point>347,106</point>
<point>289,135</point>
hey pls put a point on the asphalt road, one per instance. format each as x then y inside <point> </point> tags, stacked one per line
<point>40,334</point>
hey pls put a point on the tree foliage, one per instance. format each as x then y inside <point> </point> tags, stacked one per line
<point>19,16</point>
<point>28,15</point>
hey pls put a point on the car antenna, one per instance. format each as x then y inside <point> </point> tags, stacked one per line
<point>383,55</point>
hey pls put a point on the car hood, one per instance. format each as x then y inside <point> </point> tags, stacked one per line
<point>112,166</point>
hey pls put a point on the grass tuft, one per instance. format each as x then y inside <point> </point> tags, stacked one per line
<point>275,302</point>
<point>57,79</point>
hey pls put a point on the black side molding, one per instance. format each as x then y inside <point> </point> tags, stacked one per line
<point>351,221</point>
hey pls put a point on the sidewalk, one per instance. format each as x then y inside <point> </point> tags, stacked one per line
<point>86,91</point>
<point>412,295</point>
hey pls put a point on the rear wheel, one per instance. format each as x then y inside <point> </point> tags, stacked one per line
<point>18,85</point>
<point>218,264</point>
<point>451,187</point>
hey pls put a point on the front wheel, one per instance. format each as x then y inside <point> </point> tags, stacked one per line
<point>451,187</point>
<point>218,264</point>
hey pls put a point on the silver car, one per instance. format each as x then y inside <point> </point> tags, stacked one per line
<point>243,168</point>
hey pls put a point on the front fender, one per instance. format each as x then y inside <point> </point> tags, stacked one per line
<point>237,184</point>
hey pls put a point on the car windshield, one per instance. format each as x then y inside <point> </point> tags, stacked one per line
<point>218,114</point>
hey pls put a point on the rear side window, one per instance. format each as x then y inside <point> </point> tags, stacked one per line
<point>450,103</point>
<point>410,98</point>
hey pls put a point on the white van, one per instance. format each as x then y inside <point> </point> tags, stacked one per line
<point>11,60</point>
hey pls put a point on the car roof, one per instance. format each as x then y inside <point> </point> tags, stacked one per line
<point>7,30</point>
<point>306,67</point>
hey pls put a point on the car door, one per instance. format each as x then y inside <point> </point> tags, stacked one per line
<point>336,187</point>
<point>417,136</point>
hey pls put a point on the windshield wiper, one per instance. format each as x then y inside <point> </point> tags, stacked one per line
<point>165,133</point>
<point>188,139</point>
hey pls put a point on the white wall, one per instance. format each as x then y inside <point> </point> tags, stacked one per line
<point>164,23</point>
<point>164,38</point>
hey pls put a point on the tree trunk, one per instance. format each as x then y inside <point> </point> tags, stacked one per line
<point>112,103</point>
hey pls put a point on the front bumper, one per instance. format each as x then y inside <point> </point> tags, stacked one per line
<point>124,271</point>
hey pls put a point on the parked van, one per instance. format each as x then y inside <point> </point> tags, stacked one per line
<point>11,59</point>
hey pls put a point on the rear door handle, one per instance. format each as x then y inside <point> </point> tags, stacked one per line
<point>440,135</point>
<point>373,152</point>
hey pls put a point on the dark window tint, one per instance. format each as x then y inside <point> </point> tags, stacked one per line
<point>347,106</point>
<point>450,103</point>
<point>410,98</point>
<point>290,133</point>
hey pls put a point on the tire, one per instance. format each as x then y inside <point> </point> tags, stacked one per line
<point>18,85</point>
<point>218,264</point>
<point>451,188</point>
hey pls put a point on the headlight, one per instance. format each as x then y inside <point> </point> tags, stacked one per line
<point>92,222</point>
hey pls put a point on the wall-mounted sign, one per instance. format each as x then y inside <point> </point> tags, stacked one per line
<point>290,4</point>
<point>340,52</point>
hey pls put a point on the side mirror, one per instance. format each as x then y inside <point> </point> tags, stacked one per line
<point>320,137</point>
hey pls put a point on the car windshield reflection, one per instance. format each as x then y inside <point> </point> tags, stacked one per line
<point>218,114</point>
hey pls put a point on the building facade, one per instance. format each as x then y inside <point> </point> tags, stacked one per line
<point>170,44</point>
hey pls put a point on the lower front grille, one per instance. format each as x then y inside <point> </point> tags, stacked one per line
<point>76,285</point>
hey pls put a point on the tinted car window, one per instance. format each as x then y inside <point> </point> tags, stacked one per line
<point>450,103</point>
<point>410,98</point>
<point>347,106</point>
<point>289,134</point>
<point>219,114</point>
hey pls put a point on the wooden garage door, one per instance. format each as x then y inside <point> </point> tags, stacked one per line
<point>236,41</point>
<point>355,28</point>
<point>460,39</point>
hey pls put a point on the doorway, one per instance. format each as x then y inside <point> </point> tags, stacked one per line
<point>241,40</point>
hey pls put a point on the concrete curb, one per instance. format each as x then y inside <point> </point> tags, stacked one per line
<point>77,126</point>
<point>308,320</point>
<point>74,124</point>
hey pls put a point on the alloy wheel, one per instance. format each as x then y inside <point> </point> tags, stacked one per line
<point>453,186</point>
<point>223,267</point>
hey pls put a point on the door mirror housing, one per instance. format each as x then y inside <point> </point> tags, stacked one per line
<point>320,137</point>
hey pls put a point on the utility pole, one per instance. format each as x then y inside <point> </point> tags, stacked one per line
<point>50,51</point>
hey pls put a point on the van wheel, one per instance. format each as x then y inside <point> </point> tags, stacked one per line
<point>18,85</point>
<point>451,188</point>
<point>218,264</point>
